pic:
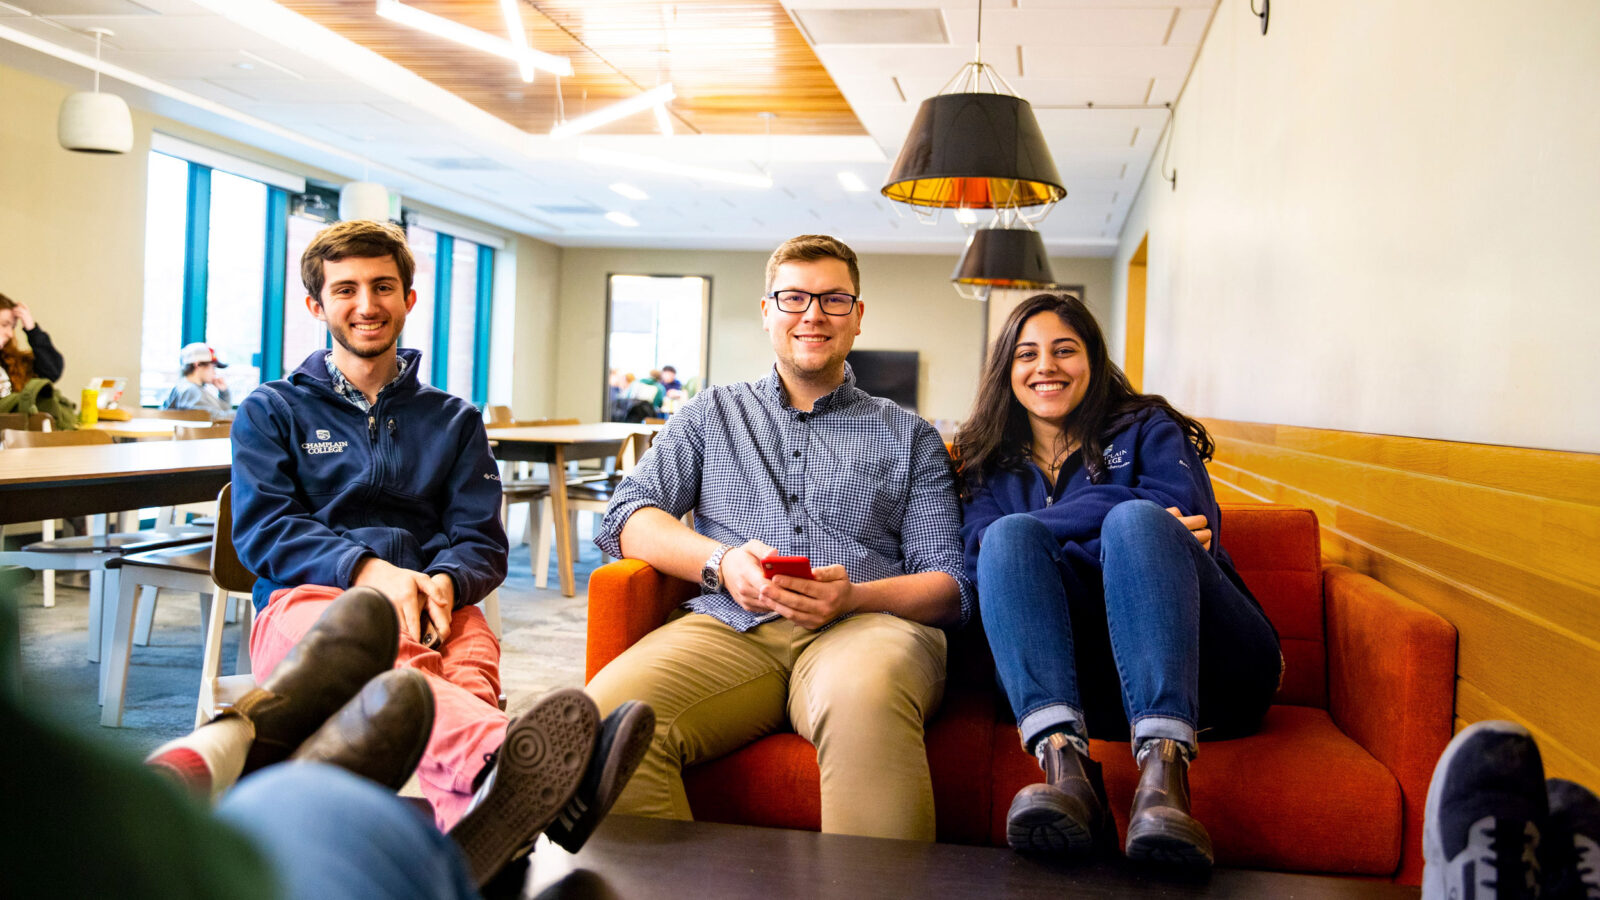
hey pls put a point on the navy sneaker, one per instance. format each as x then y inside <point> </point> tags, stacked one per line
<point>1572,842</point>
<point>624,737</point>
<point>1485,815</point>
<point>531,780</point>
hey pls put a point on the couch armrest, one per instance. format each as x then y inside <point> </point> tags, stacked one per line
<point>1391,687</point>
<point>627,600</point>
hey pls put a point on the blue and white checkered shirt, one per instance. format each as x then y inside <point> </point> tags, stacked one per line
<point>351,392</point>
<point>857,482</point>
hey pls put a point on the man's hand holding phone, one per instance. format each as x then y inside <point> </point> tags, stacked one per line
<point>811,598</point>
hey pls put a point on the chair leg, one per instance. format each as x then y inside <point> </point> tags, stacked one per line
<point>211,614</point>
<point>97,607</point>
<point>47,531</point>
<point>247,620</point>
<point>491,612</point>
<point>541,554</point>
<point>114,670</point>
<point>147,614</point>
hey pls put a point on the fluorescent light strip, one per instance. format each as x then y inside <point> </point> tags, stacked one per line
<point>395,11</point>
<point>852,182</point>
<point>667,167</point>
<point>629,191</point>
<point>619,110</point>
<point>664,120</point>
<point>512,11</point>
<point>622,218</point>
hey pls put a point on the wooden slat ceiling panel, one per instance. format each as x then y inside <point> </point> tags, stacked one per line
<point>727,61</point>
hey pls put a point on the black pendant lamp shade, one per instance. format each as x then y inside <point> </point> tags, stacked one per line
<point>975,151</point>
<point>1005,258</point>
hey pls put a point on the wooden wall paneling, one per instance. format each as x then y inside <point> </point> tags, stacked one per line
<point>1499,540</point>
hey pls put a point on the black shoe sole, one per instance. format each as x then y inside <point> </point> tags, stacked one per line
<point>636,728</point>
<point>541,763</point>
<point>1169,844</point>
<point>1040,829</point>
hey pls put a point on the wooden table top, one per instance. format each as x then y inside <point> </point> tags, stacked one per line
<point>572,434</point>
<point>140,428</point>
<point>32,465</point>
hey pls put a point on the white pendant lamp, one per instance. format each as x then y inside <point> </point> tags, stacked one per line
<point>364,200</point>
<point>92,122</point>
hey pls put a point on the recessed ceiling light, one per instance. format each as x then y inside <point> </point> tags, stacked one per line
<point>622,218</point>
<point>852,182</point>
<point>668,167</point>
<point>629,191</point>
<point>245,66</point>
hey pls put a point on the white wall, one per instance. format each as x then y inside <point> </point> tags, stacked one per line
<point>1383,222</point>
<point>909,306</point>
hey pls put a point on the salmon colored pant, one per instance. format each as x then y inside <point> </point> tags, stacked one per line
<point>464,675</point>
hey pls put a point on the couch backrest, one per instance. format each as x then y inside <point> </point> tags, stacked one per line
<point>1277,551</point>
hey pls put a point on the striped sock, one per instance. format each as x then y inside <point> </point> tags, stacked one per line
<point>209,759</point>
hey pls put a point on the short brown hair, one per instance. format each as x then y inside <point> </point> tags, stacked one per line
<point>808,247</point>
<point>361,238</point>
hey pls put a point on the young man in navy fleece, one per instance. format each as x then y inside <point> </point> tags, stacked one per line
<point>351,472</point>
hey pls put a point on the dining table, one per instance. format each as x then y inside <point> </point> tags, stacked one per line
<point>555,445</point>
<point>39,483</point>
<point>138,429</point>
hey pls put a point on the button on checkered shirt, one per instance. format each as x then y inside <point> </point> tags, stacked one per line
<point>857,482</point>
<point>351,392</point>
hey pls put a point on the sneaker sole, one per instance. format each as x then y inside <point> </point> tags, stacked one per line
<point>541,763</point>
<point>635,732</point>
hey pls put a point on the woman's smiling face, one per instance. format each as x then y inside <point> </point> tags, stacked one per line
<point>1049,368</point>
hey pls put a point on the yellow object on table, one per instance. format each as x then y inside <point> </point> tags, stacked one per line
<point>91,407</point>
<point>115,415</point>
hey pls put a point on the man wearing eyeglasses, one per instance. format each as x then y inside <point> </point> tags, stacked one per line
<point>799,463</point>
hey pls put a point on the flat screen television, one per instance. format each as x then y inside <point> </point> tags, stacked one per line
<point>891,374</point>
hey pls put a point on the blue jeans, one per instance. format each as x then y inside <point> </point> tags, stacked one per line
<point>1186,647</point>
<point>330,834</point>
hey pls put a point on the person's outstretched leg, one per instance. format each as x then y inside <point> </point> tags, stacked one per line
<point>329,834</point>
<point>1029,626</point>
<point>1485,816</point>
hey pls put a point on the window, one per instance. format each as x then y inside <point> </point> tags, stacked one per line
<point>223,244</point>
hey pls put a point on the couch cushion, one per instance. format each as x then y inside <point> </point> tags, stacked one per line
<point>775,782</point>
<point>1298,795</point>
<point>1277,551</point>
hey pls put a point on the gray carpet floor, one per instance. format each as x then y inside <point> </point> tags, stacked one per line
<point>542,648</point>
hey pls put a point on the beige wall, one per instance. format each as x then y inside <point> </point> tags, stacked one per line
<point>1383,221</point>
<point>72,244</point>
<point>909,302</point>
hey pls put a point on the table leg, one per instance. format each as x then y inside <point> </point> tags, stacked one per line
<point>97,594</point>
<point>558,502</point>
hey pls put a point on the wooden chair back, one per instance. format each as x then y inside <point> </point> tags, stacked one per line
<point>499,415</point>
<point>197,431</point>
<point>226,569</point>
<point>187,415</point>
<point>24,421</point>
<point>524,423</point>
<point>10,438</point>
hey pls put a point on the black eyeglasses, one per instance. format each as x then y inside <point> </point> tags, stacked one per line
<point>800,301</point>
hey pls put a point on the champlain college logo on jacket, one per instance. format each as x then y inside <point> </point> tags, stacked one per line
<point>323,444</point>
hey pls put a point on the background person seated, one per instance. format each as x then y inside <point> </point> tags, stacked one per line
<point>202,386</point>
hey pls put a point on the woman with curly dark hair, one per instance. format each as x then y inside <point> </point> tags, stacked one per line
<point>1105,614</point>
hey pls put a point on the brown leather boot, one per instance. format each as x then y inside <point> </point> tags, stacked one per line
<point>1160,829</point>
<point>356,637</point>
<point>1067,814</point>
<point>381,733</point>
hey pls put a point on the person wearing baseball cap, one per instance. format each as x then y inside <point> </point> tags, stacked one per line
<point>202,386</point>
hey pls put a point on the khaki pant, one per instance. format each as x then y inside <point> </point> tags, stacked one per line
<point>859,691</point>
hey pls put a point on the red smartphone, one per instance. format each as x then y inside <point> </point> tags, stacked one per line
<point>797,566</point>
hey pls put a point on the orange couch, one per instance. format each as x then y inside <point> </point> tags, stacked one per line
<point>1334,782</point>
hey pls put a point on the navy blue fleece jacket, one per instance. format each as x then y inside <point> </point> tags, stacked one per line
<point>1148,459</point>
<point>319,485</point>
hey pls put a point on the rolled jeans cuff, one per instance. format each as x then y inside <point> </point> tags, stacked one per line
<point>1053,717</point>
<point>1151,728</point>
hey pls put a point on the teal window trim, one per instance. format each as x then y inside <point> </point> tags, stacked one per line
<point>197,253</point>
<point>480,343</point>
<point>273,283</point>
<point>444,264</point>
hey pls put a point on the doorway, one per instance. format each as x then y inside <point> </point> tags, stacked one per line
<point>653,323</point>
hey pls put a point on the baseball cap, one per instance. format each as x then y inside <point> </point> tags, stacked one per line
<point>193,354</point>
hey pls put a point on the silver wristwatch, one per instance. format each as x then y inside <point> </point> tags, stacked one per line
<point>710,573</point>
